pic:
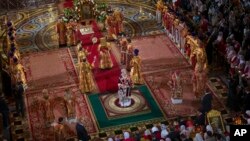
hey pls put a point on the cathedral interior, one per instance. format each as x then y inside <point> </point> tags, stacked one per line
<point>123,70</point>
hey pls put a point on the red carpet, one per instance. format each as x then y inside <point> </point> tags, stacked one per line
<point>55,71</point>
<point>68,4</point>
<point>106,80</point>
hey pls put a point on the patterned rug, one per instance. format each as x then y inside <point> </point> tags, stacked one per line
<point>35,106</point>
<point>165,56</point>
<point>114,109</point>
<point>54,71</point>
<point>55,66</point>
<point>157,82</point>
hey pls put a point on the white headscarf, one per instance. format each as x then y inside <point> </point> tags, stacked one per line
<point>209,128</point>
<point>164,133</point>
<point>163,126</point>
<point>147,132</point>
<point>248,112</point>
<point>228,128</point>
<point>198,137</point>
<point>168,139</point>
<point>248,121</point>
<point>154,129</point>
<point>110,139</point>
<point>183,127</point>
<point>126,135</point>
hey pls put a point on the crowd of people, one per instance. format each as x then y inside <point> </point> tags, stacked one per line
<point>179,130</point>
<point>224,27</point>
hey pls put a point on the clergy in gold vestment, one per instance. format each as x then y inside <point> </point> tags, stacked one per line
<point>60,131</point>
<point>111,25</point>
<point>124,44</point>
<point>82,53</point>
<point>200,71</point>
<point>61,31</point>
<point>19,71</point>
<point>70,104</point>
<point>85,77</point>
<point>119,21</point>
<point>135,72</point>
<point>129,55</point>
<point>71,33</point>
<point>47,108</point>
<point>104,52</point>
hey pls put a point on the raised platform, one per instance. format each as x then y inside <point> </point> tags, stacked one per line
<point>110,116</point>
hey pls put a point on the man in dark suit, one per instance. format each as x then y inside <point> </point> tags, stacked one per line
<point>206,102</point>
<point>81,131</point>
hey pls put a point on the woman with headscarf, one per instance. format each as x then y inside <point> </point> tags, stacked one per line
<point>184,131</point>
<point>209,133</point>
<point>127,137</point>
<point>164,132</point>
<point>147,135</point>
<point>198,137</point>
<point>156,134</point>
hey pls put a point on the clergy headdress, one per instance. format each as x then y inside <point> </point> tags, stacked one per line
<point>9,23</point>
<point>9,33</point>
<point>12,38</point>
<point>11,29</point>
<point>12,48</point>
<point>103,41</point>
<point>11,54</point>
<point>136,52</point>
<point>84,59</point>
<point>15,59</point>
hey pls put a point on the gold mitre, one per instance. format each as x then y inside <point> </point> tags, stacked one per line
<point>165,9</point>
<point>103,41</point>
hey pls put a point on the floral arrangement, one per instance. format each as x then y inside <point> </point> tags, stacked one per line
<point>100,12</point>
<point>69,14</point>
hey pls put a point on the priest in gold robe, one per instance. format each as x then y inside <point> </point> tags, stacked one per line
<point>60,130</point>
<point>200,71</point>
<point>86,79</point>
<point>47,108</point>
<point>70,104</point>
<point>82,53</point>
<point>129,55</point>
<point>71,33</point>
<point>61,31</point>
<point>159,10</point>
<point>135,72</point>
<point>105,57</point>
<point>18,72</point>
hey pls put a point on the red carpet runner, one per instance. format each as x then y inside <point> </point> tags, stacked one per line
<point>68,4</point>
<point>106,79</point>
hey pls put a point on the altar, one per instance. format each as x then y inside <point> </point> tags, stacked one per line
<point>86,32</point>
